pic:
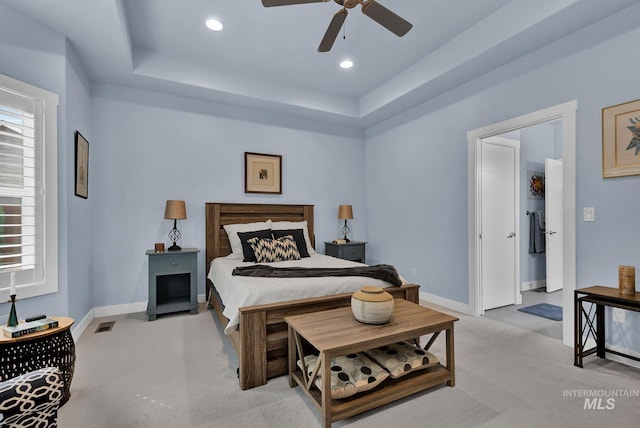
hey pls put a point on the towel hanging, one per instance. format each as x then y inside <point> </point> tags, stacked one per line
<point>536,232</point>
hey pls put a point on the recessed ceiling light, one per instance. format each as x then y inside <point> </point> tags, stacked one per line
<point>346,64</point>
<point>214,24</point>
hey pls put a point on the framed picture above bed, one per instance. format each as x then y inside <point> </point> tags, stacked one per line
<point>621,140</point>
<point>262,173</point>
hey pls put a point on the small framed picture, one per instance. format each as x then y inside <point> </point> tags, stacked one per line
<point>535,184</point>
<point>82,166</point>
<point>262,173</point>
<point>621,140</point>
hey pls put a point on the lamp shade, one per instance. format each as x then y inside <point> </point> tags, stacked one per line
<point>175,210</point>
<point>345,212</point>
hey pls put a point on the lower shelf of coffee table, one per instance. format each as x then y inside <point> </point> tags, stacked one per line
<point>389,390</point>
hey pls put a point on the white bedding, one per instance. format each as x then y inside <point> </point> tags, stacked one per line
<point>240,291</point>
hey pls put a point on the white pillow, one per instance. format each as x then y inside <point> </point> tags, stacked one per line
<point>284,225</point>
<point>233,229</point>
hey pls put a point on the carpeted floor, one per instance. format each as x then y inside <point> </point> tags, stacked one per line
<point>179,371</point>
<point>510,314</point>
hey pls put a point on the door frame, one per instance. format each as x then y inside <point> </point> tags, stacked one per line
<point>515,145</point>
<point>566,112</point>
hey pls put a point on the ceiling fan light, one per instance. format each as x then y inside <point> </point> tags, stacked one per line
<point>214,24</point>
<point>346,64</point>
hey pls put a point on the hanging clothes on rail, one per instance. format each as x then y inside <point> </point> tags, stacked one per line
<point>536,232</point>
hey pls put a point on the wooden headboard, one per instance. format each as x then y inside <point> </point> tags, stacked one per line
<point>219,214</point>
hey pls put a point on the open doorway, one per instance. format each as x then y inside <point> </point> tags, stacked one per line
<point>531,221</point>
<point>565,113</point>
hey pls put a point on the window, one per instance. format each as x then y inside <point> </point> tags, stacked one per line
<point>28,189</point>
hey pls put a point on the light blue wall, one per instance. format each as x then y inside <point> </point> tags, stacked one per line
<point>77,210</point>
<point>417,169</point>
<point>149,148</point>
<point>408,183</point>
<point>36,55</point>
<point>142,154</point>
<point>416,177</point>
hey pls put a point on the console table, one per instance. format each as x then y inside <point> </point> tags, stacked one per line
<point>589,322</point>
<point>336,332</point>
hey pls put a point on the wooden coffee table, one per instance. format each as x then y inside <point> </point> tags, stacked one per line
<point>336,332</point>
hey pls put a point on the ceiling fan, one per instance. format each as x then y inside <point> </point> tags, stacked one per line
<point>371,8</point>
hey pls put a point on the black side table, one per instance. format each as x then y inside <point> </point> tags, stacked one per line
<point>53,347</point>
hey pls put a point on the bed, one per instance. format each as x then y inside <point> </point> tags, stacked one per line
<point>259,335</point>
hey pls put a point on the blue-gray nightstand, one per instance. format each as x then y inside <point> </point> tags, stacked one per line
<point>352,250</point>
<point>173,282</point>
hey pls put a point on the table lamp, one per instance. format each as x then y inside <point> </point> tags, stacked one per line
<point>345,212</point>
<point>175,210</point>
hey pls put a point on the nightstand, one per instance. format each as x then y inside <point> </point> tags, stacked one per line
<point>353,250</point>
<point>173,282</point>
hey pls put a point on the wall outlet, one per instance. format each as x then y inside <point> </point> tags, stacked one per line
<point>413,271</point>
<point>618,315</point>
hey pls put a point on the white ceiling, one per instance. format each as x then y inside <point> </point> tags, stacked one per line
<point>267,59</point>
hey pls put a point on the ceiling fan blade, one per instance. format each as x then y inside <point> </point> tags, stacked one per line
<point>386,18</point>
<point>332,31</point>
<point>270,3</point>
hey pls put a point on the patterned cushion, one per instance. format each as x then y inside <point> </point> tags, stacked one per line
<point>402,358</point>
<point>32,399</point>
<point>350,374</point>
<point>274,250</point>
<point>298,236</point>
<point>247,251</point>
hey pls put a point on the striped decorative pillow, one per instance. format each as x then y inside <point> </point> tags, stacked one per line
<point>274,250</point>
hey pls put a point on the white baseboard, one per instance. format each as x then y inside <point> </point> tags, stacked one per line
<point>623,360</point>
<point>127,308</point>
<point>447,303</point>
<point>532,285</point>
<point>109,311</point>
<point>80,327</point>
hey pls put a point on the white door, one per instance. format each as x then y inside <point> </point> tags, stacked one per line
<point>553,231</point>
<point>499,205</point>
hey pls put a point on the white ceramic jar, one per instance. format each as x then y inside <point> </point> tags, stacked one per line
<point>372,305</point>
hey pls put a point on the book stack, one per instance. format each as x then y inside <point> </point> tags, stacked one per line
<point>29,327</point>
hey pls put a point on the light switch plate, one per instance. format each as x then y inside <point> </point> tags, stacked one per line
<point>589,214</point>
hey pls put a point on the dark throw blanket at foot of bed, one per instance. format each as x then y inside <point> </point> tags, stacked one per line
<point>385,273</point>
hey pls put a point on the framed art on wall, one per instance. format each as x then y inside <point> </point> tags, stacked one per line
<point>621,140</point>
<point>535,184</point>
<point>82,166</point>
<point>262,173</point>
